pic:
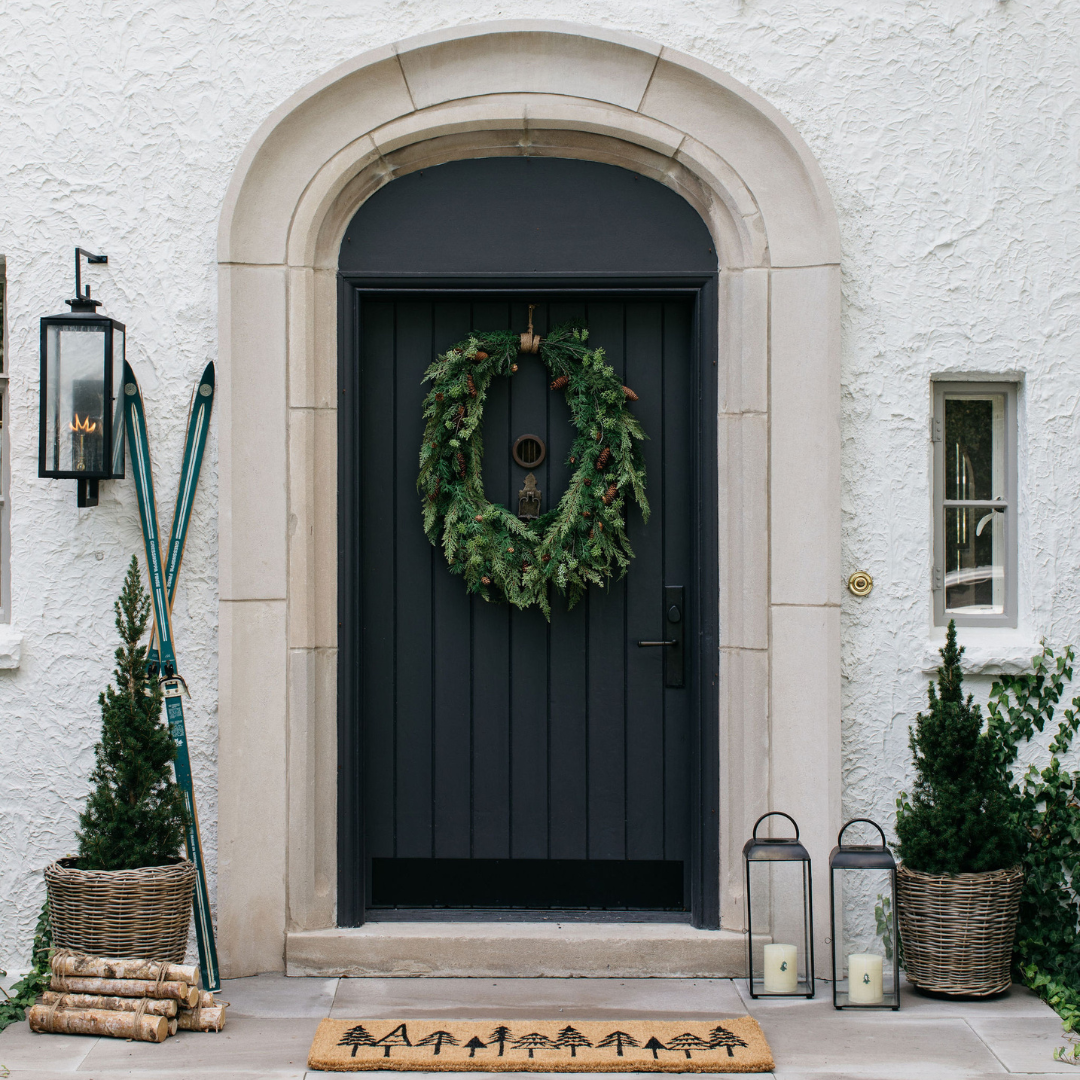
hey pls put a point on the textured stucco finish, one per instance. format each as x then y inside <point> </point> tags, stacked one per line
<point>947,135</point>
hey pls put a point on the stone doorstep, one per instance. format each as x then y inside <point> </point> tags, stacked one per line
<point>518,950</point>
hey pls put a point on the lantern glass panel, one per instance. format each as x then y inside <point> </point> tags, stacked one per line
<point>864,938</point>
<point>779,915</point>
<point>75,398</point>
<point>118,401</point>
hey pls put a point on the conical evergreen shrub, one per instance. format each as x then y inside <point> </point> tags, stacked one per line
<point>135,812</point>
<point>959,819</point>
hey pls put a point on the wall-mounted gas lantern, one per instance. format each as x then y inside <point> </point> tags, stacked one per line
<point>81,431</point>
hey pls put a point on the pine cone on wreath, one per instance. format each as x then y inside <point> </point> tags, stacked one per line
<point>438,397</point>
<point>480,356</point>
<point>513,367</point>
<point>609,496</point>
<point>588,483</point>
<point>591,533</point>
<point>630,395</point>
<point>604,458</point>
<point>472,386</point>
<point>560,382</point>
<point>461,464</point>
<point>545,558</point>
<point>485,580</point>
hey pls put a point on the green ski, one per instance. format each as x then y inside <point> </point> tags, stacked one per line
<point>139,446</point>
<point>198,426</point>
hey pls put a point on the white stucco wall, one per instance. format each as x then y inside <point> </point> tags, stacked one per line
<point>949,136</point>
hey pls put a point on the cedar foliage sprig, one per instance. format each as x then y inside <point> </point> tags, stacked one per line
<point>959,819</point>
<point>134,813</point>
<point>582,541</point>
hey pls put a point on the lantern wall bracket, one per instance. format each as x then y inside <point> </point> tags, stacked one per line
<point>87,494</point>
<point>82,301</point>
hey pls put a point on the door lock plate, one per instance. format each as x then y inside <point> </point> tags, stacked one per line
<point>674,625</point>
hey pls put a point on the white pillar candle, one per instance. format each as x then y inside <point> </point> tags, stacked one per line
<point>782,969</point>
<point>864,979</point>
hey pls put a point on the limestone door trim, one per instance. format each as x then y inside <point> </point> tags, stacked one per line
<point>534,88</point>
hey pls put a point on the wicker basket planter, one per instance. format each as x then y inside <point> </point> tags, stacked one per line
<point>122,913</point>
<point>958,930</point>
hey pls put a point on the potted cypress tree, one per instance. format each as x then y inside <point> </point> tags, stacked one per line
<point>127,893</point>
<point>959,883</point>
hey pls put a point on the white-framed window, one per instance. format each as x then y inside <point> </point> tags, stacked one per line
<point>974,431</point>
<point>5,471</point>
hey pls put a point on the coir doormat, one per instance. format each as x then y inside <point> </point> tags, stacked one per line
<point>541,1046</point>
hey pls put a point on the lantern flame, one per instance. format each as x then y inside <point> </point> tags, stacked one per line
<point>83,427</point>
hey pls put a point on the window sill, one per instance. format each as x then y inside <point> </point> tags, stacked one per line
<point>988,650</point>
<point>10,647</point>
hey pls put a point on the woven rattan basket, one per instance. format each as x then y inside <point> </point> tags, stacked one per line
<point>958,930</point>
<point>122,913</point>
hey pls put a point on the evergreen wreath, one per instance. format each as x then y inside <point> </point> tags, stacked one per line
<point>581,541</point>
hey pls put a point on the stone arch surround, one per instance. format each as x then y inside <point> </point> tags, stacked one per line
<point>540,88</point>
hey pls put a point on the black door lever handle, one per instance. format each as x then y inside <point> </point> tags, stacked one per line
<point>645,644</point>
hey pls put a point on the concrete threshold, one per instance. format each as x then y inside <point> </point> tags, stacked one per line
<point>518,950</point>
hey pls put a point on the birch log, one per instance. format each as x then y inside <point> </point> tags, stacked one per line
<point>211,1018</point>
<point>74,984</point>
<point>115,1004</point>
<point>120,1025</point>
<point>104,967</point>
<point>172,1027</point>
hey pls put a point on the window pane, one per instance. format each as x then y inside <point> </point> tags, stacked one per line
<point>975,447</point>
<point>974,560</point>
<point>75,359</point>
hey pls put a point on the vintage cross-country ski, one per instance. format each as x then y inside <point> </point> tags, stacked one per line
<point>198,426</point>
<point>161,594</point>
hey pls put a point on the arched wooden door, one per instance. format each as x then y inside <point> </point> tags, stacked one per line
<point>492,763</point>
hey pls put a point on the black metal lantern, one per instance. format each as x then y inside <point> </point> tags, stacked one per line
<point>865,932</point>
<point>779,915</point>
<point>81,434</point>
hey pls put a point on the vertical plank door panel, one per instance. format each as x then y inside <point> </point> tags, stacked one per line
<point>529,636</point>
<point>491,637</point>
<point>607,655</point>
<point>644,595</point>
<point>452,698</point>
<point>378,571</point>
<point>414,669</point>
<point>679,522</point>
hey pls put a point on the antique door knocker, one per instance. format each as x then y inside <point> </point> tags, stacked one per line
<point>529,500</point>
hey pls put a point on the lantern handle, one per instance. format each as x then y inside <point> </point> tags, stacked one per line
<point>776,813</point>
<point>863,821</point>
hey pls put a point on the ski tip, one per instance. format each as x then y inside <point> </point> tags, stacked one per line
<point>129,375</point>
<point>207,379</point>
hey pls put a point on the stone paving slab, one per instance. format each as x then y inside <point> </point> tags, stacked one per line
<point>1019,1041</point>
<point>20,1048</point>
<point>263,1046</point>
<point>536,999</point>
<point>275,995</point>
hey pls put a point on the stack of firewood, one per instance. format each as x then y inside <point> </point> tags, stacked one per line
<point>146,1000</point>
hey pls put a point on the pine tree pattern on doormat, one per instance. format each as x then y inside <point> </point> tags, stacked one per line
<point>715,1046</point>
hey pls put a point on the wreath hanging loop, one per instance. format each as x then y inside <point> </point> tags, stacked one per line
<point>530,342</point>
<point>580,542</point>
